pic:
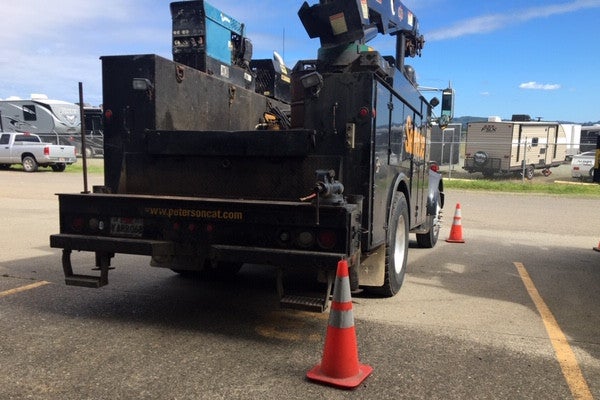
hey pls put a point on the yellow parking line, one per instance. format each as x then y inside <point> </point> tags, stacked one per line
<point>564,354</point>
<point>23,288</point>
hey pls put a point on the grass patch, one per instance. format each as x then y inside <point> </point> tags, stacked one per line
<point>524,187</point>
<point>94,166</point>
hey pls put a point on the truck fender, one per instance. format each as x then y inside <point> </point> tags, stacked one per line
<point>435,193</point>
<point>371,271</point>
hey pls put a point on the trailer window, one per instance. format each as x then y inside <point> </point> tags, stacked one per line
<point>29,112</point>
<point>534,141</point>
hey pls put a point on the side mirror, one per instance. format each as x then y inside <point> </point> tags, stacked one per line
<point>448,103</point>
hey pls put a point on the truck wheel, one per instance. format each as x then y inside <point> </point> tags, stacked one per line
<point>60,167</point>
<point>429,239</point>
<point>529,172</point>
<point>29,164</point>
<point>396,252</point>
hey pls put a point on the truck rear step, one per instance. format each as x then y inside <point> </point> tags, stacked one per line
<point>304,302</point>
<point>85,281</point>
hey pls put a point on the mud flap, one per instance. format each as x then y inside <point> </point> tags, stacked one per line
<point>371,271</point>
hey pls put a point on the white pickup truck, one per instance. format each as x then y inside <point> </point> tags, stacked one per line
<point>29,150</point>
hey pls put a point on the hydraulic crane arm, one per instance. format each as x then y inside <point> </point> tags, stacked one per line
<point>343,22</point>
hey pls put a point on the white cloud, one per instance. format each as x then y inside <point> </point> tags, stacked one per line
<point>539,86</point>
<point>49,47</point>
<point>493,22</point>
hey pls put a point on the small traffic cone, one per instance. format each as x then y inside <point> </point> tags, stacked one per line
<point>456,235</point>
<point>339,366</point>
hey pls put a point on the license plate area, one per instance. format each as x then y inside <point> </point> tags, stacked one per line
<point>127,227</point>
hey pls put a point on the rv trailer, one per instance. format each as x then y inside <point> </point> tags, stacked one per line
<point>497,147</point>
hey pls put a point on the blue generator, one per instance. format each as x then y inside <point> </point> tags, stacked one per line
<point>211,41</point>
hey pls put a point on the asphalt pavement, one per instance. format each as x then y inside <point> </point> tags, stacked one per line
<point>467,323</point>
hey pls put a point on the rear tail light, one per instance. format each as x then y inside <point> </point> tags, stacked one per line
<point>46,150</point>
<point>305,239</point>
<point>434,167</point>
<point>77,224</point>
<point>284,237</point>
<point>108,115</point>
<point>326,239</point>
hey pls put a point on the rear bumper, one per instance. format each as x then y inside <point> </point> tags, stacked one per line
<point>154,248</point>
<point>218,252</point>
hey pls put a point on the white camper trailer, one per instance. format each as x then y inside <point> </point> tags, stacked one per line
<point>39,115</point>
<point>54,121</point>
<point>514,146</point>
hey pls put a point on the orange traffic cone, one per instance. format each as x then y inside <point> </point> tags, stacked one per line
<point>456,235</point>
<point>339,365</point>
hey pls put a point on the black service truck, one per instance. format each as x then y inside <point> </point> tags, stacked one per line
<point>213,160</point>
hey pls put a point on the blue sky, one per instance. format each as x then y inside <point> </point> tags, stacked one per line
<point>537,57</point>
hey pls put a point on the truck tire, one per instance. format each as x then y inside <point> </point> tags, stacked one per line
<point>396,252</point>
<point>60,167</point>
<point>429,239</point>
<point>29,164</point>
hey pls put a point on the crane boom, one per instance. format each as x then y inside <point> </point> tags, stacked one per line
<point>343,22</point>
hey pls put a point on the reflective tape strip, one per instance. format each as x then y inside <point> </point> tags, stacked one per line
<point>341,319</point>
<point>341,290</point>
<point>341,306</point>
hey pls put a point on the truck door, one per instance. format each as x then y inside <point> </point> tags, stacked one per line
<point>381,174</point>
<point>417,147</point>
<point>4,148</point>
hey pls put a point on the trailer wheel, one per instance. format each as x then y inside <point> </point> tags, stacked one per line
<point>429,239</point>
<point>529,170</point>
<point>29,164</point>
<point>60,167</point>
<point>396,252</point>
